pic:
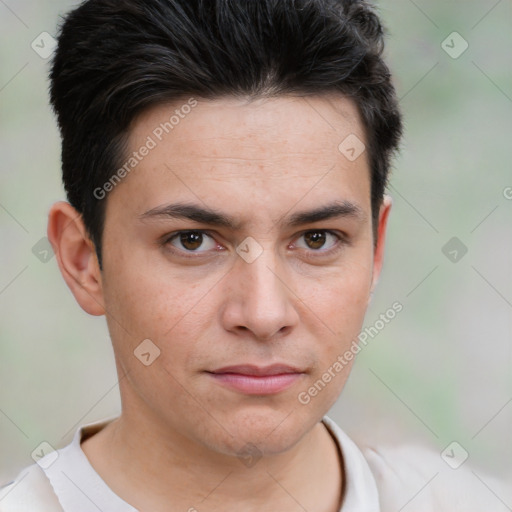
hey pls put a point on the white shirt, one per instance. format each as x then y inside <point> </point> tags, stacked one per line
<point>407,478</point>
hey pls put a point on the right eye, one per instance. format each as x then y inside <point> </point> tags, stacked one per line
<point>190,241</point>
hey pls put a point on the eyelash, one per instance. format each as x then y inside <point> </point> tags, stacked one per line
<point>341,241</point>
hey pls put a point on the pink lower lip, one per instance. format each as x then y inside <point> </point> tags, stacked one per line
<point>257,385</point>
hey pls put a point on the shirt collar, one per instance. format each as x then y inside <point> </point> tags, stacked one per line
<point>78,486</point>
<point>360,494</point>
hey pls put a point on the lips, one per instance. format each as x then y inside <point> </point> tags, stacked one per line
<point>257,380</point>
<point>258,371</point>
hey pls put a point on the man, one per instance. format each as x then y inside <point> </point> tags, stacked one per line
<point>225,164</point>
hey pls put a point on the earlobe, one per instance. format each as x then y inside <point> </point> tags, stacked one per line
<point>381,240</point>
<point>76,257</point>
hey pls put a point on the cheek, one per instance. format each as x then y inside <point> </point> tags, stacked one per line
<point>149,301</point>
<point>152,308</point>
<point>340,298</point>
<point>339,307</point>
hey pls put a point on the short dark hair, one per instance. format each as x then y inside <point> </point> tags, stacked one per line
<point>117,58</point>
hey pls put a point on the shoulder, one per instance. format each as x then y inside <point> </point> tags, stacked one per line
<point>419,477</point>
<point>33,488</point>
<point>31,491</point>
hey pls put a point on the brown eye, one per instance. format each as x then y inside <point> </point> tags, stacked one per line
<point>191,241</point>
<point>320,240</point>
<point>315,239</point>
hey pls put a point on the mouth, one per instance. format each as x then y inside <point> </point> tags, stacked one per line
<point>257,380</point>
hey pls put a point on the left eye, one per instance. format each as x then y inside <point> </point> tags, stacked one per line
<point>190,241</point>
<point>318,239</point>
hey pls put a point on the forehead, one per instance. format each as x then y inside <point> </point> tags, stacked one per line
<point>271,147</point>
<point>273,125</point>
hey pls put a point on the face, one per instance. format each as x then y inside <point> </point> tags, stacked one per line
<point>241,246</point>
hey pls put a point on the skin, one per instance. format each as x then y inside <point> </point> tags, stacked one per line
<point>177,443</point>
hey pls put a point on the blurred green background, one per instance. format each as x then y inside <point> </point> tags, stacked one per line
<point>440,371</point>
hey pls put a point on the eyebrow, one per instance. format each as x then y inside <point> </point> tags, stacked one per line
<point>205,215</point>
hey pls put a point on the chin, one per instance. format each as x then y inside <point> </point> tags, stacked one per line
<point>264,430</point>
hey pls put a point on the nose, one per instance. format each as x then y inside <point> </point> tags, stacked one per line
<point>259,298</point>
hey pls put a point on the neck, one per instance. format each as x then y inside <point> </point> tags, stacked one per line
<point>150,467</point>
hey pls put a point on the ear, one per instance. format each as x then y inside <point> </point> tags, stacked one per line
<point>76,257</point>
<point>378,258</point>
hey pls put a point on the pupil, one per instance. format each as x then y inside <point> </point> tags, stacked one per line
<point>316,239</point>
<point>191,240</point>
